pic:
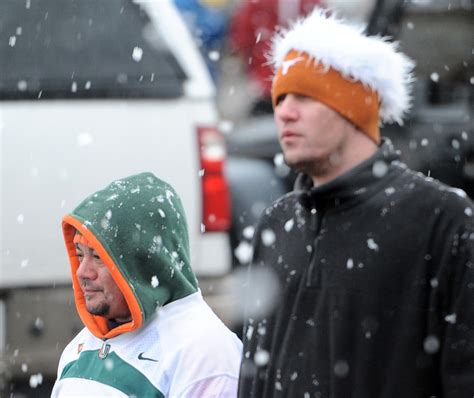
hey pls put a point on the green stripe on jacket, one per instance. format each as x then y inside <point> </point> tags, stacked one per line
<point>112,371</point>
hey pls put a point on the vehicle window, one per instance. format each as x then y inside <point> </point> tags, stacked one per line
<point>83,48</point>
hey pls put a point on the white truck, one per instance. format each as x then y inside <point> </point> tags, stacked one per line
<point>91,91</point>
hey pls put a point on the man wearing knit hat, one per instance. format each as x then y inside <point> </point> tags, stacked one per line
<point>375,262</point>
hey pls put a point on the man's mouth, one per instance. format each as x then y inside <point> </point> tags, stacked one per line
<point>88,289</point>
<point>289,134</point>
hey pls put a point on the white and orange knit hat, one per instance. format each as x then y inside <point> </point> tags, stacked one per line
<point>361,77</point>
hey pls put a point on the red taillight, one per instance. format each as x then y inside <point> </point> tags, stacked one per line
<point>216,214</point>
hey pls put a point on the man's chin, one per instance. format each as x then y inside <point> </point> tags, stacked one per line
<point>99,309</point>
<point>298,164</point>
<point>311,167</point>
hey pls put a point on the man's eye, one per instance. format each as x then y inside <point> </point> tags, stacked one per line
<point>96,256</point>
<point>280,98</point>
<point>80,256</point>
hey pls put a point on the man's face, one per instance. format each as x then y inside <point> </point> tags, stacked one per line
<point>103,296</point>
<point>313,137</point>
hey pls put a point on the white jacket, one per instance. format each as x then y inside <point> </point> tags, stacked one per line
<point>184,351</point>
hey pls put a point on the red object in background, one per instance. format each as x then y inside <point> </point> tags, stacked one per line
<point>252,28</point>
<point>216,212</point>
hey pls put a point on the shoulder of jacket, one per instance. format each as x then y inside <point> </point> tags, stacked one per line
<point>454,201</point>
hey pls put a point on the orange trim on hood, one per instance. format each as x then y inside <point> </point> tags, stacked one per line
<point>98,325</point>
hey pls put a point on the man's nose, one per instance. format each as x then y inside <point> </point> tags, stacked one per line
<point>286,109</point>
<point>86,269</point>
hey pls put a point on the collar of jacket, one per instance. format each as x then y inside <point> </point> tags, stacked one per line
<point>353,186</point>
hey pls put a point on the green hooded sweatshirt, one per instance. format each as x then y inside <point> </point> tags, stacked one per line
<point>138,228</point>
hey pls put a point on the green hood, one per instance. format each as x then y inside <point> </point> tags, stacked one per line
<point>138,227</point>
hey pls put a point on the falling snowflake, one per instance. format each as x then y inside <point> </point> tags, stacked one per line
<point>137,54</point>
<point>36,380</point>
<point>289,225</point>
<point>451,318</point>
<point>268,237</point>
<point>226,126</point>
<point>244,252</point>
<point>261,358</point>
<point>341,368</point>
<point>350,263</point>
<point>434,77</point>
<point>379,169</point>
<point>22,85</point>
<point>249,332</point>
<point>372,245</point>
<point>281,168</point>
<point>154,281</point>
<point>431,344</point>
<point>248,232</point>
<point>214,55</point>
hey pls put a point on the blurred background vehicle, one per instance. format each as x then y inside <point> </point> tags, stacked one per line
<point>91,91</point>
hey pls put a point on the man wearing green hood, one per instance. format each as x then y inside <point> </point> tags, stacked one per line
<point>148,333</point>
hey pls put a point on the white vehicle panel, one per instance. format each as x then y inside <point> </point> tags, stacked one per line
<point>55,153</point>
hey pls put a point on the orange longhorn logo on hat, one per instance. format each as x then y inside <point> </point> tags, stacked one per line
<point>289,63</point>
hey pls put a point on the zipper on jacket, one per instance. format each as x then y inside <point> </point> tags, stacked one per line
<point>317,220</point>
<point>104,350</point>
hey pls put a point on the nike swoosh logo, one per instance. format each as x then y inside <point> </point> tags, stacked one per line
<point>140,356</point>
